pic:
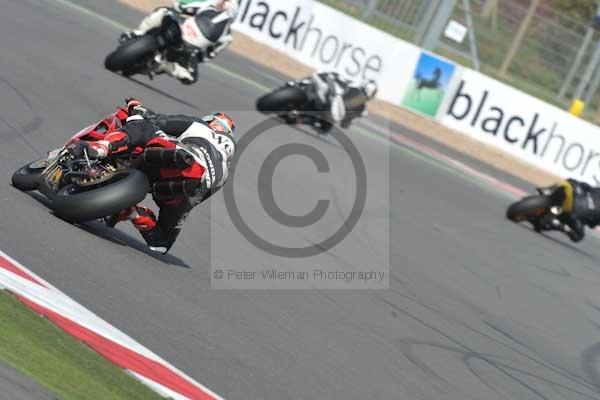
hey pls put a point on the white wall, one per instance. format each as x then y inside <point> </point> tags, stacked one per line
<point>483,108</point>
<point>326,39</point>
<point>524,126</point>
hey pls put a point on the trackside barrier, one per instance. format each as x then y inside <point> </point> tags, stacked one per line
<point>323,38</point>
<point>523,126</point>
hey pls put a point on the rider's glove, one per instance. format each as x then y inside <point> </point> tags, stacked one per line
<point>127,36</point>
<point>132,102</point>
<point>135,107</point>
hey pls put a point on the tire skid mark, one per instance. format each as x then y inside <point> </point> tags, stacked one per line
<point>512,372</point>
<point>34,122</point>
<point>20,131</point>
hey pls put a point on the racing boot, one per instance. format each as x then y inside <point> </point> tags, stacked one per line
<point>142,218</point>
<point>124,215</point>
<point>155,240</point>
<point>181,67</point>
<point>145,222</point>
<point>176,71</point>
<point>574,230</point>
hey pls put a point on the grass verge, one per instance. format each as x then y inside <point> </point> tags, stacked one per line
<point>66,367</point>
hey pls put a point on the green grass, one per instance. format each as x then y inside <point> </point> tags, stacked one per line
<point>66,367</point>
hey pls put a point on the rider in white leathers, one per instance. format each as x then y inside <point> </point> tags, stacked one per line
<point>185,69</point>
<point>340,98</point>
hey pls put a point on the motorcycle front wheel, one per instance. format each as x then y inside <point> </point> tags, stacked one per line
<point>27,178</point>
<point>76,204</point>
<point>131,54</point>
<point>282,100</point>
<point>528,208</point>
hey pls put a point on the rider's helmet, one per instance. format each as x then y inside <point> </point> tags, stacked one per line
<point>370,89</point>
<point>230,5</point>
<point>189,6</point>
<point>220,122</point>
<point>193,6</point>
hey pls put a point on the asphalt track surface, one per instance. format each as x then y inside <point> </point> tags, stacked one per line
<point>478,308</point>
<point>16,386</point>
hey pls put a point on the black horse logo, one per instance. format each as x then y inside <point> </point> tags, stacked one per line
<point>433,83</point>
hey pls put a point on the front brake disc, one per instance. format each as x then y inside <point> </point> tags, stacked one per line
<point>105,175</point>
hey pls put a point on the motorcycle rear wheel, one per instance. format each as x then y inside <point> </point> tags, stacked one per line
<point>76,204</point>
<point>528,208</point>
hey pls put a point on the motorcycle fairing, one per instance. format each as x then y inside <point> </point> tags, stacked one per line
<point>204,29</point>
<point>110,124</point>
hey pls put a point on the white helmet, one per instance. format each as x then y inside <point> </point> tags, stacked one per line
<point>370,89</point>
<point>188,6</point>
<point>232,7</point>
<point>192,7</point>
<point>224,127</point>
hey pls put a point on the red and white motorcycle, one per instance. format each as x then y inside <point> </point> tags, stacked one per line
<point>82,189</point>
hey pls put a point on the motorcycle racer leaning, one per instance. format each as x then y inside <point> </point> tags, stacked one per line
<point>342,100</point>
<point>580,208</point>
<point>209,140</point>
<point>185,68</point>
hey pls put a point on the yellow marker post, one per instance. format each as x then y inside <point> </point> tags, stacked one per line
<point>577,107</point>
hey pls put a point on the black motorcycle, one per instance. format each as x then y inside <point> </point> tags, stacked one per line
<point>296,103</point>
<point>540,210</point>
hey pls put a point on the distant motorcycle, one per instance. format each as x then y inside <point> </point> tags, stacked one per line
<point>538,209</point>
<point>195,36</point>
<point>295,103</point>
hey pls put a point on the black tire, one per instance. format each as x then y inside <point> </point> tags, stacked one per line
<point>27,178</point>
<point>529,207</point>
<point>131,54</point>
<point>74,206</point>
<point>282,100</point>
